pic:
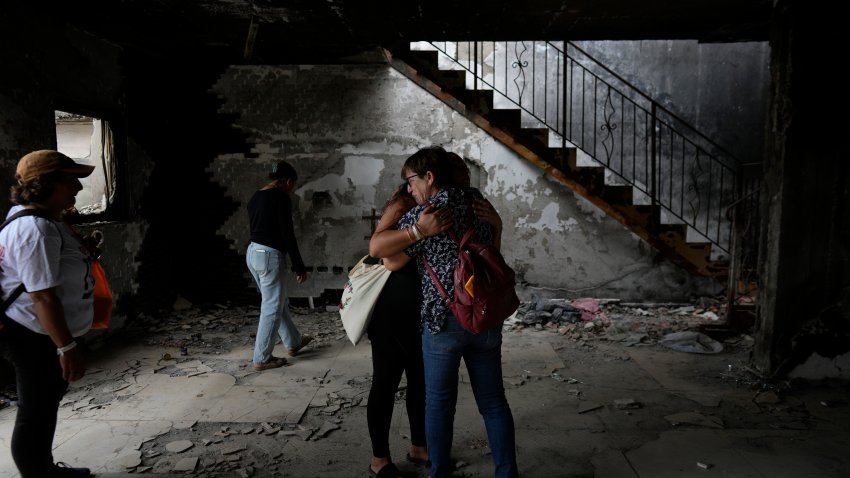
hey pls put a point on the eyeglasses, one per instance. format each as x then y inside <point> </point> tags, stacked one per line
<point>407,179</point>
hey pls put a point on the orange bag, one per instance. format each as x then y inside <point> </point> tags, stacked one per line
<point>102,297</point>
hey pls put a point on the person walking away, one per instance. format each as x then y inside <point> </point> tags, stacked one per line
<point>272,239</point>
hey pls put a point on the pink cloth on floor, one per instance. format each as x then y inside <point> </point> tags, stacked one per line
<point>590,309</point>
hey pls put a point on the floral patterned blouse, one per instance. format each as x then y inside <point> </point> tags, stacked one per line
<point>441,251</point>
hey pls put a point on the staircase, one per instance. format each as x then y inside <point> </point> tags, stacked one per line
<point>591,130</point>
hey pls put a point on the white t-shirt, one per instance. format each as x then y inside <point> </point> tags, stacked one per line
<point>41,253</point>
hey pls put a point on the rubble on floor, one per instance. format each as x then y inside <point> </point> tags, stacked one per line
<point>207,334</point>
<point>587,320</point>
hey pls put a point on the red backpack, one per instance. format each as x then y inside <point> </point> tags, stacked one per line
<point>484,294</point>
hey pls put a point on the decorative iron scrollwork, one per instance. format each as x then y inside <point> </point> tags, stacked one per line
<point>520,65</point>
<point>695,196</point>
<point>608,127</point>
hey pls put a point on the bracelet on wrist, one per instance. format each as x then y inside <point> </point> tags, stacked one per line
<point>67,348</point>
<point>417,232</point>
<point>410,234</point>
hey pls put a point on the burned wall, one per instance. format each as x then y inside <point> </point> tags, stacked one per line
<point>348,130</point>
<point>721,89</point>
<point>804,266</point>
<point>59,67</point>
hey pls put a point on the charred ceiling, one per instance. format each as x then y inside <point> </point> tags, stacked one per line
<point>299,31</point>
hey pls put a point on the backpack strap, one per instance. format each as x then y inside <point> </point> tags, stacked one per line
<point>435,280</point>
<point>20,289</point>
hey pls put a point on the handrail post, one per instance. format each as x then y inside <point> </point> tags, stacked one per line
<point>653,191</point>
<point>475,66</point>
<point>564,100</point>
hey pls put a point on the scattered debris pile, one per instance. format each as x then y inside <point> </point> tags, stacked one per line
<point>218,328</point>
<point>614,320</point>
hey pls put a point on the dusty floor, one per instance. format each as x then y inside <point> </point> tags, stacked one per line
<point>600,400</point>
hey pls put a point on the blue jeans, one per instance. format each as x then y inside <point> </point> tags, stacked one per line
<point>482,354</point>
<point>267,265</point>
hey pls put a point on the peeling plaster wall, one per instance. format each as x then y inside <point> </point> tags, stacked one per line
<point>348,130</point>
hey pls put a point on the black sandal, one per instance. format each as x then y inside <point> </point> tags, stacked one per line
<point>387,471</point>
<point>418,461</point>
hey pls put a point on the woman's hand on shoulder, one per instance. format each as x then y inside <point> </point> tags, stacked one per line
<point>434,220</point>
<point>485,210</point>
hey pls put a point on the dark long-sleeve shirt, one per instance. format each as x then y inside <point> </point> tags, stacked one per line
<point>270,214</point>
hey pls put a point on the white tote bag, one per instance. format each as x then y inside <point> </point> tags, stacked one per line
<point>364,285</point>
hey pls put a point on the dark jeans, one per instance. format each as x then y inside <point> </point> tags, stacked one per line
<point>40,389</point>
<point>393,354</point>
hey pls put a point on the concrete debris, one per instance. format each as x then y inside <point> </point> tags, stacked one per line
<point>691,342</point>
<point>245,472</point>
<point>693,418</point>
<point>114,387</point>
<point>769,398</point>
<point>184,424</point>
<point>268,429</point>
<point>586,320</point>
<point>304,433</point>
<point>326,428</point>
<point>627,404</point>
<point>704,466</point>
<point>189,364</point>
<point>233,449</point>
<point>181,304</point>
<point>558,377</point>
<point>129,460</point>
<point>589,407</point>
<point>186,464</point>
<point>179,446</point>
<point>710,315</point>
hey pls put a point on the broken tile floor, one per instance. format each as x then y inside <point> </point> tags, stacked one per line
<point>179,398</point>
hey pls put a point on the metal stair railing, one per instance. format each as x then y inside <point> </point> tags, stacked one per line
<point>586,105</point>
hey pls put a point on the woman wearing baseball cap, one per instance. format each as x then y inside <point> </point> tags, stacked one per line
<point>47,293</point>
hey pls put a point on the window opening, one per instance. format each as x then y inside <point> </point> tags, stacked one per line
<point>89,140</point>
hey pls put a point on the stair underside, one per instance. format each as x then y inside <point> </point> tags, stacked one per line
<point>560,163</point>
